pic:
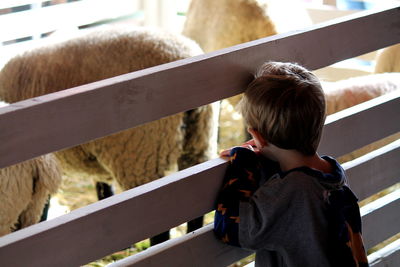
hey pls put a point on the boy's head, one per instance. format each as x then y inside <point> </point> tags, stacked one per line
<point>286,105</point>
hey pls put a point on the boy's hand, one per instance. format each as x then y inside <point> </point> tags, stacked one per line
<point>249,145</point>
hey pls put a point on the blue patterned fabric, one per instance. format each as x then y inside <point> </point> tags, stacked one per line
<point>243,177</point>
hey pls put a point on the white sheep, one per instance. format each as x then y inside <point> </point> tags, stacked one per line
<point>347,93</point>
<point>135,156</point>
<point>219,24</point>
<point>24,190</point>
<point>388,59</point>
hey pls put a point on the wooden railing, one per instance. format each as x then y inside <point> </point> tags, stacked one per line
<point>52,122</point>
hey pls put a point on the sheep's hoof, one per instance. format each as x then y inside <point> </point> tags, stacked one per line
<point>45,210</point>
<point>104,190</point>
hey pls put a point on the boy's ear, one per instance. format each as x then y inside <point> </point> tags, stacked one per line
<point>257,136</point>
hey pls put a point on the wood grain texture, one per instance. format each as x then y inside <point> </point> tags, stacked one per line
<point>49,123</point>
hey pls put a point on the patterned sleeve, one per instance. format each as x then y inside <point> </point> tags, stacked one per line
<point>242,179</point>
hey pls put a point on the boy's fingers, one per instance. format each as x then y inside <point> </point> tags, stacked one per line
<point>248,147</point>
<point>251,142</point>
<point>225,153</point>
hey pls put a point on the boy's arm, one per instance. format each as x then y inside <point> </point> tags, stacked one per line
<point>240,182</point>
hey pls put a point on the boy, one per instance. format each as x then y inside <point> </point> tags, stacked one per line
<point>283,201</point>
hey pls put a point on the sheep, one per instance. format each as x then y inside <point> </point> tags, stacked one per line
<point>219,24</point>
<point>388,59</point>
<point>24,190</point>
<point>135,156</point>
<point>346,93</point>
<point>226,26</point>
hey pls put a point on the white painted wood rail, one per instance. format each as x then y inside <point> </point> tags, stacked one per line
<point>56,121</point>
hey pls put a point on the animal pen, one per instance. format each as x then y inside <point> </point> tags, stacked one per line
<point>52,122</point>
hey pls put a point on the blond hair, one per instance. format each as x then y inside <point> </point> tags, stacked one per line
<point>286,105</point>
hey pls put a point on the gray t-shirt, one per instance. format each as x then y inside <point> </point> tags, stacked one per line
<point>285,221</point>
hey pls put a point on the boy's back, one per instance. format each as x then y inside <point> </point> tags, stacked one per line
<point>286,221</point>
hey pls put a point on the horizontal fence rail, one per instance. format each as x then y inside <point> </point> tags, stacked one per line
<point>382,222</point>
<point>388,256</point>
<point>162,204</point>
<point>375,171</point>
<point>70,117</point>
<point>184,251</point>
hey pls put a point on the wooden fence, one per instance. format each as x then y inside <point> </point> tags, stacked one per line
<point>52,122</point>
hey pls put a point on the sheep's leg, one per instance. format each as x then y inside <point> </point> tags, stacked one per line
<point>45,211</point>
<point>194,224</point>
<point>159,238</point>
<point>104,190</point>
<point>201,127</point>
